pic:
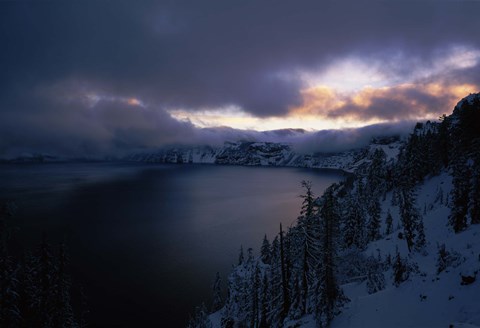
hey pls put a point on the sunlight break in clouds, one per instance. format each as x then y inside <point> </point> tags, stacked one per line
<point>239,119</point>
<point>359,90</point>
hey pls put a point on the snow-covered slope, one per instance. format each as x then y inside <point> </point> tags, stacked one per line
<point>268,154</point>
<point>426,299</point>
<point>397,245</point>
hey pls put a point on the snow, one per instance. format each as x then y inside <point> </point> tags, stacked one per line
<point>267,154</point>
<point>427,299</point>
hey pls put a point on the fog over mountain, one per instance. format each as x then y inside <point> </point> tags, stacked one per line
<point>98,78</point>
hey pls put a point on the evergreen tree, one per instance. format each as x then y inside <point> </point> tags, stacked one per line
<point>442,258</point>
<point>410,218</point>
<point>200,318</point>
<point>354,234</point>
<point>400,269</point>
<point>388,223</point>
<point>305,246</point>
<point>421,240</point>
<point>285,292</point>
<point>217,301</point>
<point>475,182</point>
<point>9,311</point>
<point>241,256</point>
<point>376,175</point>
<point>329,296</point>
<point>460,195</point>
<point>265,250</point>
<point>264,322</point>
<point>375,277</point>
<point>64,316</point>
<point>373,229</point>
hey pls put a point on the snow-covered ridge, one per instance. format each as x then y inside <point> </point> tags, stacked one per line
<point>397,245</point>
<point>269,154</point>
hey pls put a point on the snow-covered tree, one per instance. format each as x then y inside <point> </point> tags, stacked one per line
<point>375,276</point>
<point>329,296</point>
<point>200,318</point>
<point>388,223</point>
<point>217,301</point>
<point>265,252</point>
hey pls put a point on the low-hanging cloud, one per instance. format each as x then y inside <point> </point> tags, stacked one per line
<point>98,77</point>
<point>211,54</point>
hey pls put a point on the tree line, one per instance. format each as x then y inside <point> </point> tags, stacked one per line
<point>35,288</point>
<point>300,272</point>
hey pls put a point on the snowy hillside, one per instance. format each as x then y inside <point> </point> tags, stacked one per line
<point>428,298</point>
<point>396,245</point>
<point>268,154</point>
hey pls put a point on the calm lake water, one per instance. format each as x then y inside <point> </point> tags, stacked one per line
<point>146,240</point>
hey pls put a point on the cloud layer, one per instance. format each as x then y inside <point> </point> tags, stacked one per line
<point>89,77</point>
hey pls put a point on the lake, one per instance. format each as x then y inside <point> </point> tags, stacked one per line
<point>145,240</point>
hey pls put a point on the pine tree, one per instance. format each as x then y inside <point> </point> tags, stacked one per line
<point>475,183</point>
<point>308,203</point>
<point>400,270</point>
<point>285,292</point>
<point>411,218</point>
<point>373,229</point>
<point>421,240</point>
<point>305,246</point>
<point>264,322</point>
<point>63,316</point>
<point>375,277</point>
<point>460,195</point>
<point>255,295</point>
<point>354,234</point>
<point>376,175</point>
<point>388,223</point>
<point>329,296</point>
<point>200,318</point>
<point>265,250</point>
<point>241,257</point>
<point>442,258</point>
<point>217,301</point>
<point>9,312</point>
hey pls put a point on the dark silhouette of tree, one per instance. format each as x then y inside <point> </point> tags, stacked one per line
<point>265,252</point>
<point>217,301</point>
<point>388,223</point>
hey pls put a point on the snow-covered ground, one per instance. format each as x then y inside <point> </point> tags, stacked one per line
<point>426,299</point>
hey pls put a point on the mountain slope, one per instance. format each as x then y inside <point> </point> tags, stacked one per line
<point>397,245</point>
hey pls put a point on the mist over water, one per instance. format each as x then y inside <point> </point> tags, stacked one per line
<point>146,240</point>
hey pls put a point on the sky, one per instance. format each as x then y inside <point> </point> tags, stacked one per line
<point>97,77</point>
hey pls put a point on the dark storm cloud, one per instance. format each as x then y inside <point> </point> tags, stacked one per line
<point>193,55</point>
<point>78,127</point>
<point>394,104</point>
<point>213,53</point>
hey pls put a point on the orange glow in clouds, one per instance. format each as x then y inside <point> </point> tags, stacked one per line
<point>330,104</point>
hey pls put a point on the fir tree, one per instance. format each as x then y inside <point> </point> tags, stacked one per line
<point>373,229</point>
<point>375,277</point>
<point>460,195</point>
<point>329,296</point>
<point>410,218</point>
<point>200,318</point>
<point>388,223</point>
<point>400,269</point>
<point>285,292</point>
<point>9,311</point>
<point>217,301</point>
<point>64,316</point>
<point>354,234</point>
<point>241,256</point>
<point>265,251</point>
<point>264,322</point>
